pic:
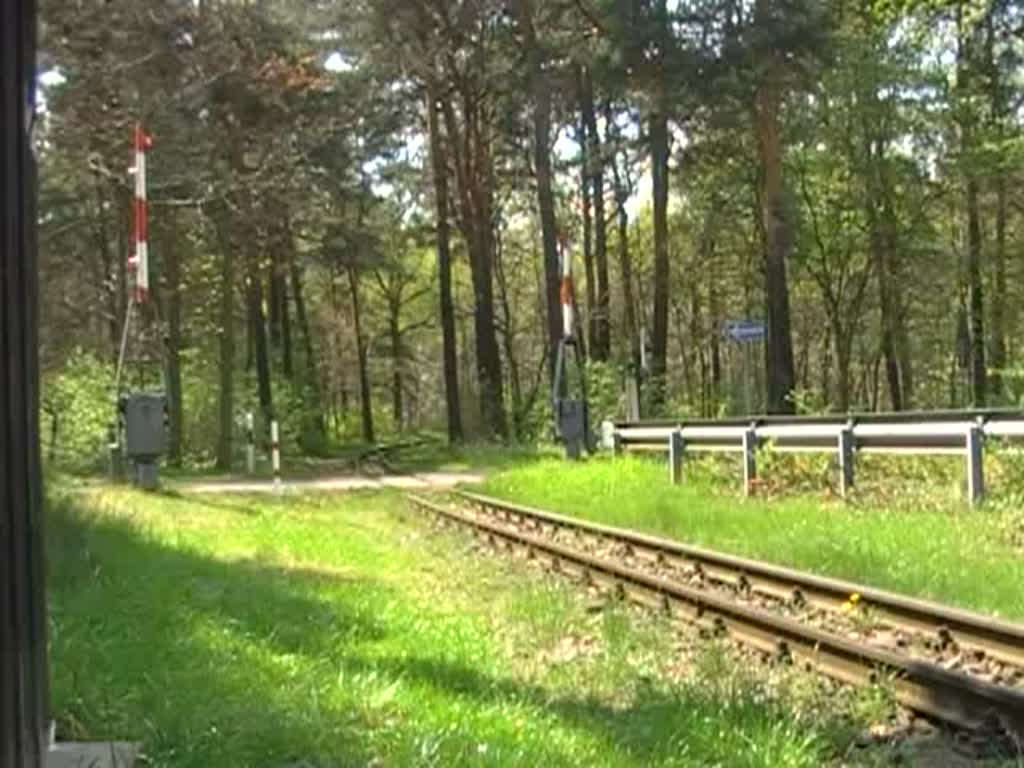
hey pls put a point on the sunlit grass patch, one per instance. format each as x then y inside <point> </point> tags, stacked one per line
<point>941,550</point>
<point>337,632</point>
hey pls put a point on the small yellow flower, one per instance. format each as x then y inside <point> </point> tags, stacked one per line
<point>851,603</point>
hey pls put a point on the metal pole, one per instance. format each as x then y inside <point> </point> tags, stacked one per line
<point>24,688</point>
<point>749,460</point>
<point>676,446</point>
<point>975,464</point>
<point>275,448</point>
<point>250,445</point>
<point>845,451</point>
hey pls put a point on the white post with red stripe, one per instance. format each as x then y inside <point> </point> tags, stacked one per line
<point>275,448</point>
<point>140,259</point>
<point>565,294</point>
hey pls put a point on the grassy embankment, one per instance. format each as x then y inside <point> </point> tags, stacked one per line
<point>908,533</point>
<point>336,632</point>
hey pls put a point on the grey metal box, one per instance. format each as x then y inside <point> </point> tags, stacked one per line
<point>145,435</point>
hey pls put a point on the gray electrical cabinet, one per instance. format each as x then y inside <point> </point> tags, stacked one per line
<point>572,426</point>
<point>145,434</point>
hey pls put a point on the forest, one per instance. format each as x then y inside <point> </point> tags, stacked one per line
<point>357,208</point>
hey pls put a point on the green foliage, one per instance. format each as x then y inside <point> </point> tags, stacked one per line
<point>300,418</point>
<point>604,391</point>
<point>77,411</point>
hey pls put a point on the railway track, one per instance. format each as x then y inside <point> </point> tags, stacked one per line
<point>948,664</point>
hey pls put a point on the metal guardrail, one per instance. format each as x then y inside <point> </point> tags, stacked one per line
<point>952,433</point>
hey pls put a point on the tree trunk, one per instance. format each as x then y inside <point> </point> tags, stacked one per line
<point>588,235</point>
<point>966,65</point>
<point>275,283</point>
<point>842,344</point>
<point>542,160</point>
<point>258,331</point>
<point>365,394</point>
<point>312,373</point>
<point>107,258</point>
<point>515,383</point>
<point>474,163</point>
<point>882,238</point>
<point>444,270</point>
<point>287,365</point>
<point>395,335</point>
<point>975,297</point>
<point>778,243</point>
<point>659,338</point>
<point>172,274</point>
<point>227,339</point>
<point>285,260</point>
<point>709,266</point>
<point>660,182</point>
<point>625,260</point>
<point>600,345</point>
<point>304,330</point>
<point>488,356</point>
<point>999,353</point>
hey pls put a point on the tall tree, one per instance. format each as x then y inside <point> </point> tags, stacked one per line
<point>439,167</point>
<point>776,220</point>
<point>536,64</point>
<point>659,143</point>
<point>600,344</point>
<point>968,44</point>
<point>226,336</point>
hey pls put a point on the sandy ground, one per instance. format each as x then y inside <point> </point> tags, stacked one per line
<point>342,483</point>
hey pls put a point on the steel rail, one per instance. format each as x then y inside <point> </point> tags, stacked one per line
<point>949,696</point>
<point>1001,640</point>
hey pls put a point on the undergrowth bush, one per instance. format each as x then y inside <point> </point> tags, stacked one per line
<point>77,408</point>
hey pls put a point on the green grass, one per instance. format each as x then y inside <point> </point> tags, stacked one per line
<point>937,549</point>
<point>342,632</point>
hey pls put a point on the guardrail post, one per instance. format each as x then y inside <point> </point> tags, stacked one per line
<point>845,449</point>
<point>975,464</point>
<point>749,460</point>
<point>676,446</point>
<point>616,444</point>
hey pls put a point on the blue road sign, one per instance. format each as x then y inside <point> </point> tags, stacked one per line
<point>745,331</point>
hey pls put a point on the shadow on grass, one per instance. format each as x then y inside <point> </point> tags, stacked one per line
<point>201,658</point>
<point>182,651</point>
<point>210,502</point>
<point>709,725</point>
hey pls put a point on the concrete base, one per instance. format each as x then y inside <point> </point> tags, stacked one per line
<point>117,754</point>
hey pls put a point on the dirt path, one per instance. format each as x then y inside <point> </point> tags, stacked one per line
<point>340,483</point>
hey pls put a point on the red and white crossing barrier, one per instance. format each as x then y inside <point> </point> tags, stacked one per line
<point>565,294</point>
<point>140,259</point>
